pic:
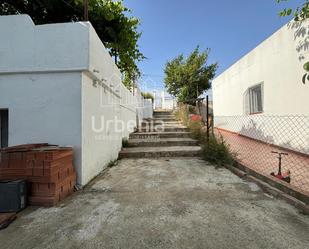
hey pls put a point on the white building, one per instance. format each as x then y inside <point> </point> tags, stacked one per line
<point>58,84</point>
<point>163,100</point>
<point>268,82</point>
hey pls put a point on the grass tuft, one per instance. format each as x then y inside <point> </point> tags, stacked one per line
<point>125,142</point>
<point>217,151</point>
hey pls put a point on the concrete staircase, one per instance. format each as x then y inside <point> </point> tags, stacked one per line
<point>162,136</point>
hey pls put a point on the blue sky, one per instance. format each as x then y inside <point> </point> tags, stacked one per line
<point>231,28</point>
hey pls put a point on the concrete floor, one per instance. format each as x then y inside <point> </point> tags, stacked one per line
<point>162,203</point>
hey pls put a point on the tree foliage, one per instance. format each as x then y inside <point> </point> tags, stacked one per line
<point>301,13</point>
<point>117,30</point>
<point>148,96</point>
<point>187,78</point>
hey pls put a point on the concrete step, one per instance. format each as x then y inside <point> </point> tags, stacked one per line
<point>164,119</point>
<point>162,142</point>
<point>148,135</point>
<point>162,112</point>
<point>163,116</point>
<point>163,129</point>
<point>159,122</point>
<point>154,152</point>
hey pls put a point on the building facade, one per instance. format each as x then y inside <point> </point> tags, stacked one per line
<point>58,84</point>
<point>266,86</point>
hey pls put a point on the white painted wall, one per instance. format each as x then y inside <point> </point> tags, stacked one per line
<point>43,108</point>
<point>169,104</point>
<point>55,79</point>
<point>164,101</point>
<point>275,62</point>
<point>278,64</point>
<point>147,109</point>
<point>101,142</point>
<point>51,47</point>
<point>112,106</point>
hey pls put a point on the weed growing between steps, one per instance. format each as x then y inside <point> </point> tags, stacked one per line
<point>125,142</point>
<point>195,128</point>
<point>214,149</point>
<point>182,114</point>
<point>112,164</point>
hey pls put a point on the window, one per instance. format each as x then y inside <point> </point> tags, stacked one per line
<point>4,128</point>
<point>256,99</point>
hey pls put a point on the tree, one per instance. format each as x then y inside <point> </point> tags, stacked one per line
<point>187,78</point>
<point>300,13</point>
<point>148,96</point>
<point>111,20</point>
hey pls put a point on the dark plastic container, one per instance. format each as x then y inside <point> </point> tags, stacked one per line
<point>13,196</point>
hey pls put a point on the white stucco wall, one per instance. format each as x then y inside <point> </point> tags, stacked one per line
<point>43,108</point>
<point>51,47</point>
<point>164,101</point>
<point>278,64</point>
<point>40,81</point>
<point>55,79</point>
<point>147,109</point>
<point>168,104</point>
<point>109,107</point>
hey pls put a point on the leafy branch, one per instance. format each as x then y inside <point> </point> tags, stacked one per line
<point>300,14</point>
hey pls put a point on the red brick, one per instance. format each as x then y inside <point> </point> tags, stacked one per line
<point>43,201</point>
<point>49,163</point>
<point>49,154</point>
<point>4,160</point>
<point>55,177</point>
<point>49,196</point>
<point>24,147</point>
<point>52,189</point>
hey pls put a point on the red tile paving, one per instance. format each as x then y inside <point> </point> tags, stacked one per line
<point>257,156</point>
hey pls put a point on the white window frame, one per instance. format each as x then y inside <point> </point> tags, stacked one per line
<point>256,99</point>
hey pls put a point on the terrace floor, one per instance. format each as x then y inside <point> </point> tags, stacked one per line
<point>162,203</point>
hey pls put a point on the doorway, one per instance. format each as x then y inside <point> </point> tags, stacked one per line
<point>4,128</point>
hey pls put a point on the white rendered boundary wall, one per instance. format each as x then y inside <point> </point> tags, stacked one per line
<point>277,64</point>
<point>61,86</point>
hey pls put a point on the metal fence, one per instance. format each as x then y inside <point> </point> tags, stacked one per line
<point>253,138</point>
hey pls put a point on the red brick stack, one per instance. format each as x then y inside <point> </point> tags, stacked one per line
<point>48,169</point>
<point>13,162</point>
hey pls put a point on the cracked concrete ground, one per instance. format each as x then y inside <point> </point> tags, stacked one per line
<point>162,203</point>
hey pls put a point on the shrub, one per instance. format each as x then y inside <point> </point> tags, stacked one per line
<point>125,143</point>
<point>182,115</point>
<point>196,129</point>
<point>192,109</point>
<point>148,96</point>
<point>216,151</point>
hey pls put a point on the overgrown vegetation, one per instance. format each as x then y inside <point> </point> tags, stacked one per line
<point>182,114</point>
<point>196,129</point>
<point>214,148</point>
<point>216,151</point>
